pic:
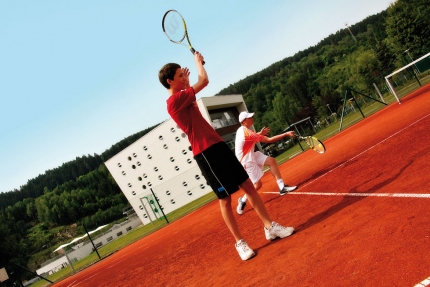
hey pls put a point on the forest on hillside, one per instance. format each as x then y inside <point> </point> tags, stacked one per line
<point>83,192</point>
<point>303,85</point>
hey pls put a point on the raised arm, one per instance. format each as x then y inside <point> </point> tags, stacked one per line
<point>203,79</point>
<point>277,137</point>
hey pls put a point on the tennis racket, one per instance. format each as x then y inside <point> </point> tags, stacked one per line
<point>313,143</point>
<point>175,28</point>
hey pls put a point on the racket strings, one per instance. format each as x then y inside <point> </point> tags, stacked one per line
<point>315,144</point>
<point>173,27</point>
<point>309,142</point>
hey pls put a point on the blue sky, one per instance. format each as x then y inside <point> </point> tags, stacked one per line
<point>78,76</point>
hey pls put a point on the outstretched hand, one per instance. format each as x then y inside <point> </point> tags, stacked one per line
<point>264,131</point>
<point>186,73</point>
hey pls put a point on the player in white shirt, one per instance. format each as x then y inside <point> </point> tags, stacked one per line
<point>254,161</point>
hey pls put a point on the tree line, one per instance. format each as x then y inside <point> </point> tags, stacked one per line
<point>82,190</point>
<point>303,85</point>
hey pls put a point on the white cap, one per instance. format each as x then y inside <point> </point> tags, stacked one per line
<point>245,115</point>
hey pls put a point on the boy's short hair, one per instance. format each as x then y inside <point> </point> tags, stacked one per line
<point>167,72</point>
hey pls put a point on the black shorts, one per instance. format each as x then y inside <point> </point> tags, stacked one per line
<point>222,170</point>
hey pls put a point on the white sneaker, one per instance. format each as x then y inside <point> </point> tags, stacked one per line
<point>240,206</point>
<point>277,230</point>
<point>243,249</point>
<point>286,189</point>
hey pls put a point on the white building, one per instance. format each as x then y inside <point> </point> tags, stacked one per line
<point>161,163</point>
<point>81,247</point>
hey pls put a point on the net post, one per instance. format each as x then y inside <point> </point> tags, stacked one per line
<point>392,89</point>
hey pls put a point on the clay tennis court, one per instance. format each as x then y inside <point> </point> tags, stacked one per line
<point>361,213</point>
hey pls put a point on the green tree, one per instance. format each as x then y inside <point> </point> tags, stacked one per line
<point>407,27</point>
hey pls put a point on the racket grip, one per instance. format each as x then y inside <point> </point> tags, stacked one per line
<point>193,51</point>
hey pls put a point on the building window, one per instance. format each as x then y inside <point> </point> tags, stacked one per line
<point>223,119</point>
<point>230,144</point>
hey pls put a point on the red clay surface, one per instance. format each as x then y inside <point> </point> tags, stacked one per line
<point>340,240</point>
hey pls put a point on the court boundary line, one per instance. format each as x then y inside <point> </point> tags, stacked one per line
<point>424,283</point>
<point>354,157</point>
<point>363,194</point>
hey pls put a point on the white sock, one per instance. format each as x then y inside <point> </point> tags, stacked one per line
<point>280,183</point>
<point>243,198</point>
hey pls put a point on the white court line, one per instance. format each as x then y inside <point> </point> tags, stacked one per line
<point>424,283</point>
<point>415,195</point>
<point>387,138</point>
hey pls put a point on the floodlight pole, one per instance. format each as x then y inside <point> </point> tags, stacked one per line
<point>346,24</point>
<point>417,70</point>
<point>156,199</point>
<point>95,248</point>
<point>328,106</point>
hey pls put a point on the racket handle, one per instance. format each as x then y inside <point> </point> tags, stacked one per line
<point>193,51</point>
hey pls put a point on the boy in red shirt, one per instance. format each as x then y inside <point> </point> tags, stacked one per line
<point>218,164</point>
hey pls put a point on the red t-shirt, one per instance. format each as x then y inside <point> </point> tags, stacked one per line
<point>183,109</point>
